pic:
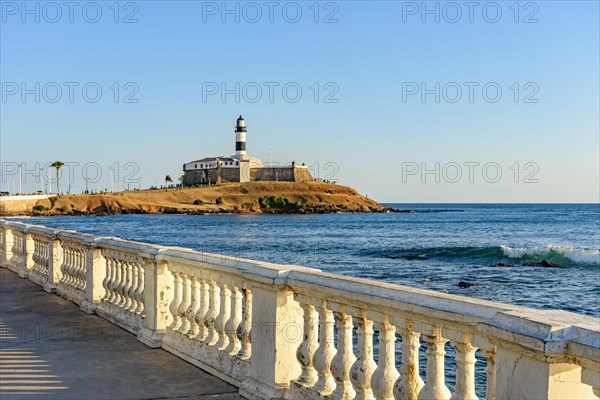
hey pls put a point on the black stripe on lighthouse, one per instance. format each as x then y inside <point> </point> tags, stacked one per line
<point>240,146</point>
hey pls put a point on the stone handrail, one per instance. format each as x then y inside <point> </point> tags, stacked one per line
<point>285,331</point>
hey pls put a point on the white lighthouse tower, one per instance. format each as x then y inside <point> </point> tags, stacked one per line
<point>240,139</point>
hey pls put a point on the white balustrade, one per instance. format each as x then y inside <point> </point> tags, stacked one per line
<point>123,296</point>
<point>73,269</point>
<point>269,329</point>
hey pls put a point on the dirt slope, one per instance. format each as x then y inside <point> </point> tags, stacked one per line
<point>273,197</point>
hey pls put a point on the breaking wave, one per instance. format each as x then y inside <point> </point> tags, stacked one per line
<point>550,252</point>
<point>560,255</point>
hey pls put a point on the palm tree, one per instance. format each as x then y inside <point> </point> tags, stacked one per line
<point>167,180</point>
<point>58,165</point>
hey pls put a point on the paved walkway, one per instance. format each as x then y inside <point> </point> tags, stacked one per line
<point>49,349</point>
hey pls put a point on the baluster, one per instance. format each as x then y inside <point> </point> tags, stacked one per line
<point>193,308</point>
<point>69,266</point>
<point>107,278</point>
<point>120,284</point>
<point>139,292</point>
<point>213,311</point>
<point>322,360</point>
<point>73,267</point>
<point>203,310</point>
<point>490,369</point>
<point>115,282</point>
<point>128,282</point>
<point>81,270</point>
<point>435,386</point>
<point>385,375</point>
<point>65,266</point>
<point>307,348</point>
<point>344,357</point>
<point>245,329</point>
<point>176,301</point>
<point>234,322</point>
<point>132,288</point>
<point>410,383</point>
<point>365,365</point>
<point>465,370</point>
<point>224,317</point>
<point>185,303</point>
<point>110,276</point>
<point>125,271</point>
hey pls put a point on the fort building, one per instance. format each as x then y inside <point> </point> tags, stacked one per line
<point>240,167</point>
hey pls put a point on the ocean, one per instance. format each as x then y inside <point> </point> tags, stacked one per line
<point>494,247</point>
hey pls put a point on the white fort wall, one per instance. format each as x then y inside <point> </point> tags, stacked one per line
<point>284,331</point>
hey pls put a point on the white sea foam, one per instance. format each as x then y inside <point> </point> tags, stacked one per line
<point>586,256</point>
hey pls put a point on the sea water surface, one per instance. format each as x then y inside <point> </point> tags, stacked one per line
<point>434,247</point>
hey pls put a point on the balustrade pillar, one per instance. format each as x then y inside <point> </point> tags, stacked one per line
<point>309,345</point>
<point>520,376</point>
<point>55,260</point>
<point>364,367</point>
<point>385,374</point>
<point>174,307</point>
<point>7,246</point>
<point>465,370</point>
<point>435,386</point>
<point>244,332</point>
<point>156,288</point>
<point>184,305</point>
<point>28,250</point>
<point>325,352</point>
<point>410,383</point>
<point>95,274</point>
<point>223,318</point>
<point>279,320</point>
<point>490,369</point>
<point>234,322</point>
<point>193,308</point>
<point>203,310</point>
<point>213,311</point>
<point>342,361</point>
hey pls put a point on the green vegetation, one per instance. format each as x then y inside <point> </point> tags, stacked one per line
<point>64,209</point>
<point>198,202</point>
<point>168,180</point>
<point>250,204</point>
<point>219,200</point>
<point>41,208</point>
<point>280,202</point>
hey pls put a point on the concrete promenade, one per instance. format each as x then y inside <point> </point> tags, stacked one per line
<point>50,349</point>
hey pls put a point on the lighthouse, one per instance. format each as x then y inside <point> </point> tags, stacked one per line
<point>240,139</point>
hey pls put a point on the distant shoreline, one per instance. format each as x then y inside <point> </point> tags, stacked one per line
<point>232,198</point>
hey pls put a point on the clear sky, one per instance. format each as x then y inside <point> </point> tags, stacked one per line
<point>405,101</point>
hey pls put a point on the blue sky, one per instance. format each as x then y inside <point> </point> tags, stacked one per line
<point>368,126</point>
